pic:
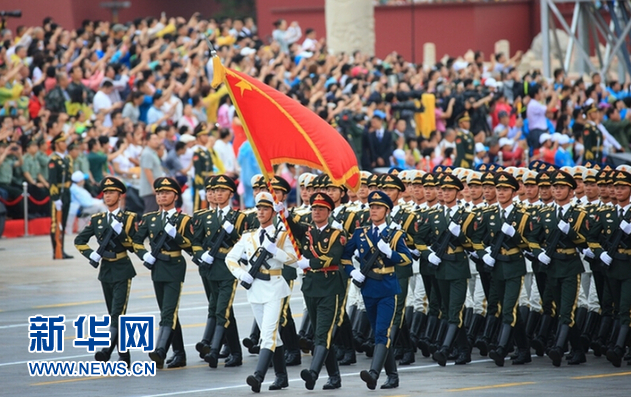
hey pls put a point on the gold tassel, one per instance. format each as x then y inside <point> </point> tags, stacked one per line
<point>218,72</point>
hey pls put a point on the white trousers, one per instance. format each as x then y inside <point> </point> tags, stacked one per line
<point>587,296</point>
<point>417,297</point>
<point>267,316</point>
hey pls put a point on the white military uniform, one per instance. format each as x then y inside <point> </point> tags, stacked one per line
<point>265,296</point>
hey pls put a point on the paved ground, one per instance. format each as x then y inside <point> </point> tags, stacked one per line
<point>31,283</point>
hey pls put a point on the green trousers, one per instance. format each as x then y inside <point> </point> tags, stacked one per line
<point>168,297</point>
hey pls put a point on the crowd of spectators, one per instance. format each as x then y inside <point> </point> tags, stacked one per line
<point>132,96</point>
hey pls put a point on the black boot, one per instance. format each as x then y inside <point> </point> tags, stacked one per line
<point>361,330</point>
<point>126,357</point>
<point>556,353</point>
<point>265,359</point>
<point>253,339</point>
<point>333,370</point>
<point>311,375</point>
<point>203,347</point>
<point>415,329</point>
<point>177,343</point>
<point>588,329</point>
<point>468,317</point>
<point>531,324</point>
<point>464,349</point>
<point>603,332</point>
<point>524,313</point>
<point>306,344</point>
<point>291,344</point>
<point>105,353</point>
<point>441,355</point>
<point>616,354</point>
<point>225,349</point>
<point>390,365</point>
<point>403,336</point>
<point>162,345</point>
<point>442,330</point>
<point>539,342</point>
<point>213,356</point>
<point>474,328</point>
<point>580,316</point>
<point>378,360</point>
<point>483,342</point>
<point>425,340</point>
<point>522,342</point>
<point>499,354</point>
<point>345,335</point>
<point>280,368</point>
<point>236,356</point>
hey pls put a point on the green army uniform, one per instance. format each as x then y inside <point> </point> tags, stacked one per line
<point>60,170</point>
<point>464,145</point>
<point>612,248</point>
<point>564,266</point>
<point>323,288</point>
<point>216,276</point>
<point>507,268</point>
<point>169,268</point>
<point>31,165</point>
<point>592,138</point>
<point>452,271</point>
<point>43,159</point>
<point>203,164</point>
<point>116,269</point>
<point>6,177</point>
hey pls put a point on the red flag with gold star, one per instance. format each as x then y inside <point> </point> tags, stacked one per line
<point>281,130</point>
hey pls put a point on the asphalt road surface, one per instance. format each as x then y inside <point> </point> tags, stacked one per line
<point>31,284</point>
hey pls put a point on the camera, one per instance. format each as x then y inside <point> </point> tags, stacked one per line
<point>11,14</point>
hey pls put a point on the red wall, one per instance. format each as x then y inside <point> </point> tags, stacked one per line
<point>453,27</point>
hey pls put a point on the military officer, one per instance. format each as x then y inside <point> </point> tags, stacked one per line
<point>323,286</point>
<point>59,172</point>
<point>210,247</point>
<point>464,142</point>
<point>167,265</point>
<point>562,228</point>
<point>380,286</point>
<point>613,224</point>
<point>592,136</point>
<point>203,164</point>
<point>446,230</point>
<point>267,288</point>
<point>504,225</point>
<point>116,270</point>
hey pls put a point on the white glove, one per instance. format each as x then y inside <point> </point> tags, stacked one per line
<point>358,276</point>
<point>246,277</point>
<point>488,249</point>
<point>564,227</point>
<point>433,259</point>
<point>117,226</point>
<point>605,258</point>
<point>170,230</point>
<point>356,253</point>
<point>588,253</point>
<point>385,248</point>
<point>58,205</point>
<point>416,252</point>
<point>227,226</point>
<point>454,229</point>
<point>337,225</point>
<point>95,257</point>
<point>395,226</point>
<point>206,257</point>
<point>149,258</point>
<point>508,229</point>
<point>279,207</point>
<point>625,226</point>
<point>475,255</point>
<point>303,263</point>
<point>202,194</point>
<point>488,259</point>
<point>269,246</point>
<point>543,258</point>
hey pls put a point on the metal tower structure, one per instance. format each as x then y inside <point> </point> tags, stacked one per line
<point>593,23</point>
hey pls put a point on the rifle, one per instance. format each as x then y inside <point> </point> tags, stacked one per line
<point>499,240</point>
<point>554,240</point>
<point>219,240</point>
<point>370,261</point>
<point>106,242</point>
<point>614,241</point>
<point>259,259</point>
<point>444,240</point>
<point>160,243</point>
